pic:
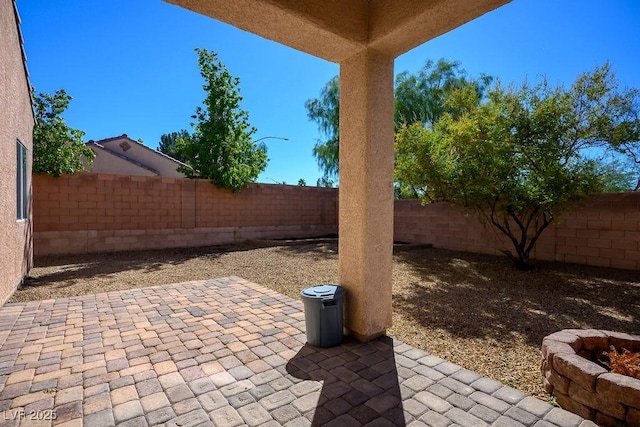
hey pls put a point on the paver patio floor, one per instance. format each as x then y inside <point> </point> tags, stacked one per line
<point>228,352</point>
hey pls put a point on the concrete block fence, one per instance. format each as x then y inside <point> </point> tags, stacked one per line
<point>605,231</point>
<point>87,212</point>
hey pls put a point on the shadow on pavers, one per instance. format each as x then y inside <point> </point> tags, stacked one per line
<point>360,382</point>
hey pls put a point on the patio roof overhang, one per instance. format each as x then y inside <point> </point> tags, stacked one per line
<point>336,30</point>
<point>364,37</point>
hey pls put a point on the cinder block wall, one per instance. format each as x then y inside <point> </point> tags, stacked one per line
<point>604,232</point>
<point>103,212</point>
<point>86,213</point>
<point>444,226</point>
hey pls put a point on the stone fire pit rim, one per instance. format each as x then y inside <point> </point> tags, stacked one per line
<point>584,387</point>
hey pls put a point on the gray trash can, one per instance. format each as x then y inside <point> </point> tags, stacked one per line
<point>323,314</point>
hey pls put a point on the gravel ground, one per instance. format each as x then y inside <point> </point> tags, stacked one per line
<point>474,310</point>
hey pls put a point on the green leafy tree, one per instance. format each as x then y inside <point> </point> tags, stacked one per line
<point>615,111</point>
<point>617,176</point>
<point>621,117</point>
<point>515,160</point>
<point>627,168</point>
<point>325,111</point>
<point>302,182</point>
<point>170,143</point>
<point>57,148</point>
<point>405,191</point>
<point>419,97</point>
<point>325,182</point>
<point>221,148</point>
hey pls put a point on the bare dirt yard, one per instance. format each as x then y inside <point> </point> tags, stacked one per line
<point>474,310</point>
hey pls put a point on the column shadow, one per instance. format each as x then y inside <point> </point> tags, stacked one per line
<point>360,382</point>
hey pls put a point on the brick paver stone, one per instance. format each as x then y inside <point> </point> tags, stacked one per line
<point>277,399</point>
<point>178,393</point>
<point>68,411</point>
<point>509,395</point>
<point>305,387</point>
<point>101,418</point>
<point>222,379</point>
<point>434,419</point>
<point>140,421</point>
<point>148,387</point>
<point>187,405</point>
<point>165,367</point>
<point>490,402</point>
<point>306,403</point>
<point>171,380</point>
<point>521,416</point>
<point>228,352</point>
<point>428,372</point>
<point>127,410</point>
<point>202,385</point>
<point>241,372</point>
<point>212,400</point>
<point>383,403</point>
<point>507,422</point>
<point>20,376</point>
<point>456,386</point>
<point>193,418</point>
<point>154,401</point>
<point>440,390</point>
<point>413,407</point>
<point>159,416</point>
<point>418,382</point>
<point>464,418</point>
<point>226,416</point>
<point>27,399</point>
<point>254,414</point>
<point>563,418</point>
<point>460,401</point>
<point>285,414</point>
<point>241,399</point>
<point>124,394</point>
<point>484,413</point>
<point>447,368</point>
<point>486,385</point>
<point>465,376</point>
<point>433,402</point>
<point>535,406</point>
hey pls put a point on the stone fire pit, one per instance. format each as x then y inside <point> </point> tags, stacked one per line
<point>584,387</point>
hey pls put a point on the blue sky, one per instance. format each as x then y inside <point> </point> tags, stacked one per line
<point>131,67</point>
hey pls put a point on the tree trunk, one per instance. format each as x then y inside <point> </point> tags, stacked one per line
<point>523,261</point>
<point>524,243</point>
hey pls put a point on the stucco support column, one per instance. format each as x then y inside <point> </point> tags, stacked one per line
<point>366,191</point>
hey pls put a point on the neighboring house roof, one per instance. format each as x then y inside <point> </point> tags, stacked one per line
<point>133,158</point>
<point>109,161</point>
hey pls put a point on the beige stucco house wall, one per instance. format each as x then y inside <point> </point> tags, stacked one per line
<point>16,124</point>
<point>124,156</point>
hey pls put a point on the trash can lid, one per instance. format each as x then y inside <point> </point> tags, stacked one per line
<point>322,291</point>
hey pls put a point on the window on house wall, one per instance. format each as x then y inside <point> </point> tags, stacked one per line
<point>22,186</point>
